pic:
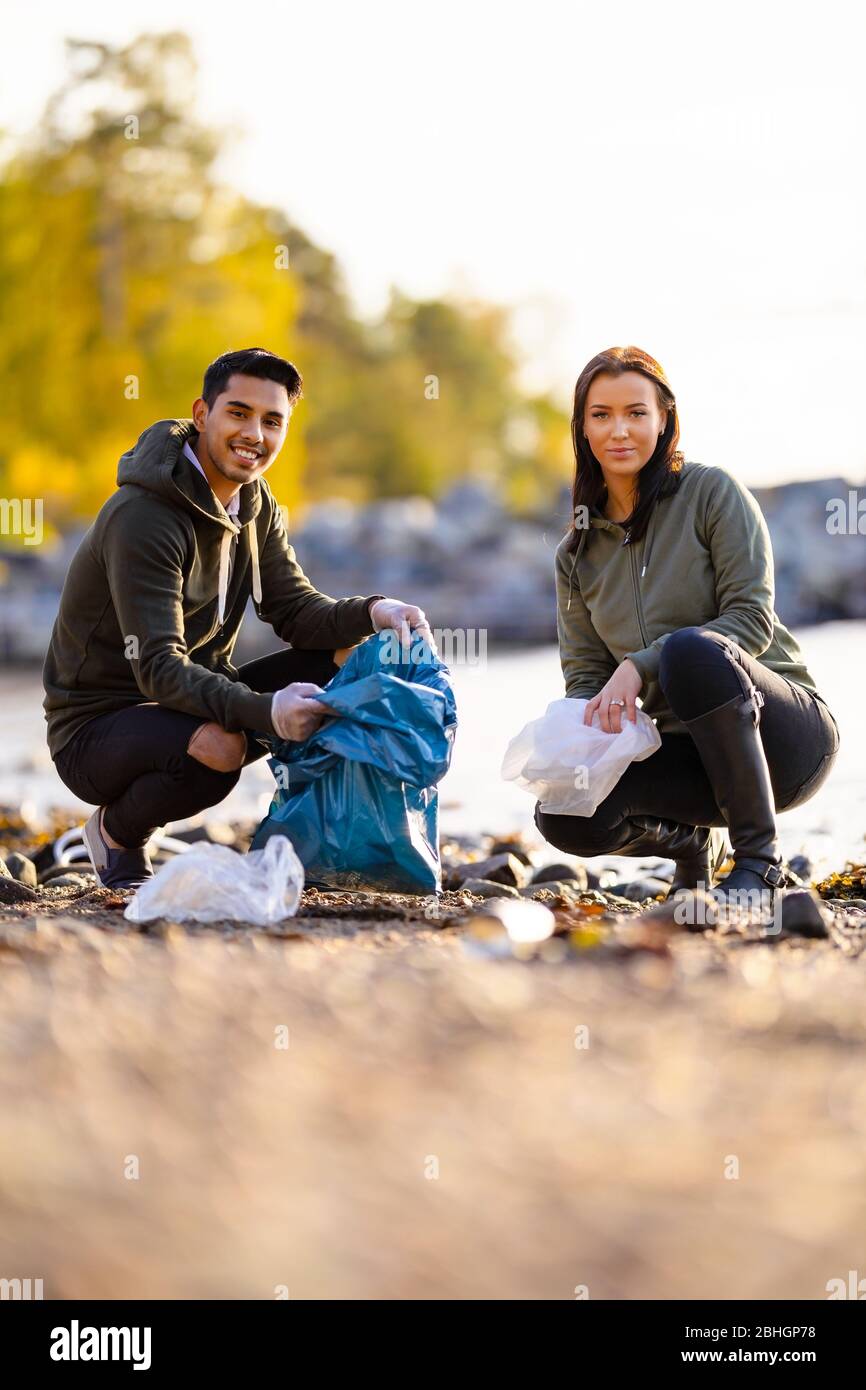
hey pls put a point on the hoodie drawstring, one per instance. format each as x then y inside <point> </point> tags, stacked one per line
<point>649,542</point>
<point>225,548</point>
<point>254,557</point>
<point>225,551</point>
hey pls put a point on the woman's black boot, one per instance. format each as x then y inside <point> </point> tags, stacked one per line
<point>696,850</point>
<point>700,870</point>
<point>732,753</point>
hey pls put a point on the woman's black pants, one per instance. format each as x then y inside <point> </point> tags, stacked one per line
<point>799,735</point>
<point>134,761</point>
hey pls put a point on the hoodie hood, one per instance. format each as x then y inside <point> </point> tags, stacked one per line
<point>157,463</point>
<point>602,523</point>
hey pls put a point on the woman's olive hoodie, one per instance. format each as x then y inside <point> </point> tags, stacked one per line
<point>149,612</point>
<point>705,561</point>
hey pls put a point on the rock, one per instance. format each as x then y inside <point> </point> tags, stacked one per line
<point>500,868</point>
<point>11,891</point>
<point>593,896</point>
<point>639,888</point>
<point>568,889</point>
<point>606,878</point>
<point>43,857</point>
<point>485,888</point>
<point>600,878</point>
<point>467,844</point>
<point>475,508</point>
<point>818,576</point>
<point>689,909</point>
<point>214,833</point>
<point>55,871</point>
<point>514,846</point>
<point>559,873</point>
<point>70,880</point>
<point>4,872</point>
<point>803,913</point>
<point>662,871</point>
<point>801,865</point>
<point>22,869</point>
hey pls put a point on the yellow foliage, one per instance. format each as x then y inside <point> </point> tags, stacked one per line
<point>125,269</point>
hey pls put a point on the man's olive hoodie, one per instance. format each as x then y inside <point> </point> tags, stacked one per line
<point>705,561</point>
<point>149,613</point>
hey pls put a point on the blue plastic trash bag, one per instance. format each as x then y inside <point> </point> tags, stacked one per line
<point>358,798</point>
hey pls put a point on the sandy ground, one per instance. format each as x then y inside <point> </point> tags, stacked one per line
<point>366,1103</point>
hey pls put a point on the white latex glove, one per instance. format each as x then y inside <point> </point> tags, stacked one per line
<point>295,713</point>
<point>404,618</point>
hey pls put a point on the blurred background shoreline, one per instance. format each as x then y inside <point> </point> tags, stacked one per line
<point>470,564</point>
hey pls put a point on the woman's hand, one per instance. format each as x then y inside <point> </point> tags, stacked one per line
<point>624,684</point>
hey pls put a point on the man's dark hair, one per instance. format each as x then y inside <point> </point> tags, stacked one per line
<point>251,362</point>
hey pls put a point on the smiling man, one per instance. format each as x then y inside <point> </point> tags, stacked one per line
<point>147,717</point>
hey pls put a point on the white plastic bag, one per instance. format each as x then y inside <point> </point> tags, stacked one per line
<point>570,767</point>
<point>212,883</point>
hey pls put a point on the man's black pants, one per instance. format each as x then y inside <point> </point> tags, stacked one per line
<point>135,763</point>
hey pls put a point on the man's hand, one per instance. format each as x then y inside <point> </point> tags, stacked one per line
<point>404,618</point>
<point>624,684</point>
<point>295,712</point>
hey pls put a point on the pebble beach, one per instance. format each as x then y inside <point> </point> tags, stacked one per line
<point>386,1096</point>
<point>389,1096</point>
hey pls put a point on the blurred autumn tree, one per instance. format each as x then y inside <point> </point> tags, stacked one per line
<point>125,267</point>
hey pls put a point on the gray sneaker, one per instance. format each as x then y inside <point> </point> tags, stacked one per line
<point>114,868</point>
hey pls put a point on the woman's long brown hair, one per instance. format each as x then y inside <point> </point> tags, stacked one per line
<point>659,477</point>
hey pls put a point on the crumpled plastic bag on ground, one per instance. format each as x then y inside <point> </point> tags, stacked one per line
<point>212,883</point>
<point>358,797</point>
<point>570,767</point>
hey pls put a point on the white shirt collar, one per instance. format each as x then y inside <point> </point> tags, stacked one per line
<point>234,506</point>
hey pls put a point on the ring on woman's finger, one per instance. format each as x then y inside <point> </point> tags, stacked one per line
<point>618,702</point>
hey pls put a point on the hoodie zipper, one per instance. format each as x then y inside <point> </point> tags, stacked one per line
<point>637,602</point>
<point>645,548</point>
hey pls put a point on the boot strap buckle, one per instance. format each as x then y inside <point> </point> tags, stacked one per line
<point>753,698</point>
<point>755,703</point>
<point>774,875</point>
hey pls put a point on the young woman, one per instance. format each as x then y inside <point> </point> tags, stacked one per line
<point>665,591</point>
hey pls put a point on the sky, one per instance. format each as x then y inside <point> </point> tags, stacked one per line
<point>683,177</point>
